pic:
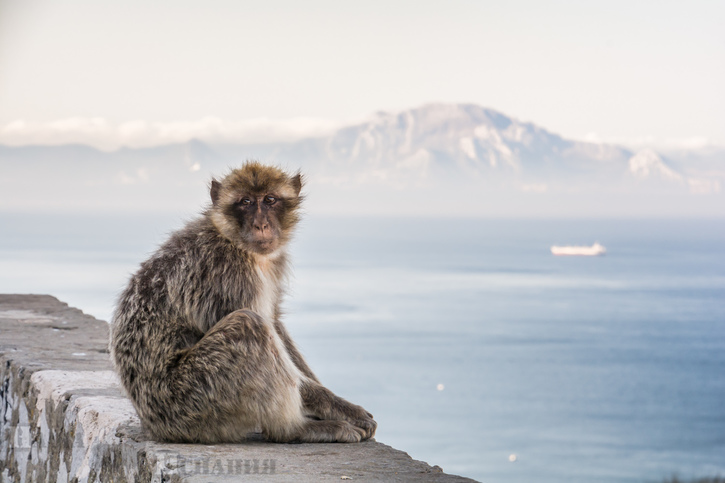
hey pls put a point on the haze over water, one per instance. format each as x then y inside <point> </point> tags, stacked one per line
<point>468,340</point>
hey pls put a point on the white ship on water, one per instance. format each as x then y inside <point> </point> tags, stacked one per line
<point>591,251</point>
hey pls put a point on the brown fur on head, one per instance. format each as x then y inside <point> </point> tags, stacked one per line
<point>256,206</point>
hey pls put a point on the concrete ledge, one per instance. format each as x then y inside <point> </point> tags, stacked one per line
<point>66,419</point>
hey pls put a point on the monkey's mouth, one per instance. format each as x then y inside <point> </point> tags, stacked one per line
<point>263,246</point>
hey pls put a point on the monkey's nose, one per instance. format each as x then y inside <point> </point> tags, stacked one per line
<point>261,226</point>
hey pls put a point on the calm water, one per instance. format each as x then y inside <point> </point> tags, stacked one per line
<point>468,340</point>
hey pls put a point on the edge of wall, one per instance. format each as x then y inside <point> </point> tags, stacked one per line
<point>65,418</point>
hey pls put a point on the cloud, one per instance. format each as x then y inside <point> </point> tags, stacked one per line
<point>534,188</point>
<point>703,186</point>
<point>103,134</point>
<point>663,144</point>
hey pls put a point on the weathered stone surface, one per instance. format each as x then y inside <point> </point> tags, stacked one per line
<point>65,418</point>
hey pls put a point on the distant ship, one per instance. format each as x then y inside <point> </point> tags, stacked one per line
<point>591,251</point>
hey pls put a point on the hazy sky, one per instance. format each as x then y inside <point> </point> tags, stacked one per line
<point>612,70</point>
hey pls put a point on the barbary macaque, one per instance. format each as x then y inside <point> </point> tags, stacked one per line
<point>197,338</point>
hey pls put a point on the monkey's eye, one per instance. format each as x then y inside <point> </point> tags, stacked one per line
<point>270,200</point>
<point>245,201</point>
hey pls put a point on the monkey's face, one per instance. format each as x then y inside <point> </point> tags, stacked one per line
<point>256,207</point>
<point>258,217</point>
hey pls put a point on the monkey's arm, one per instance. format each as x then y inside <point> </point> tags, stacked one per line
<point>293,352</point>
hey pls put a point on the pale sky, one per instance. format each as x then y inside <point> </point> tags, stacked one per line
<point>617,71</point>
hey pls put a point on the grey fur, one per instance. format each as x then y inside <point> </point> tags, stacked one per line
<point>196,336</point>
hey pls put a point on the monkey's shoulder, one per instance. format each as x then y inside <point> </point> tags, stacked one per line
<point>198,245</point>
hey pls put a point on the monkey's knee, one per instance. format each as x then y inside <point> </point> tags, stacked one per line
<point>244,317</point>
<point>242,325</point>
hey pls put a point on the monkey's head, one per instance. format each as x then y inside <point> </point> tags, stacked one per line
<point>256,207</point>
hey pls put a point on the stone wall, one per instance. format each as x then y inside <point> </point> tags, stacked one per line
<point>65,418</point>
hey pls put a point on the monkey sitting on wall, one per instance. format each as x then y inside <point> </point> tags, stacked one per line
<point>196,336</point>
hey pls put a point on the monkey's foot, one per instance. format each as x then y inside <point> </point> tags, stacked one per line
<point>358,417</point>
<point>328,431</point>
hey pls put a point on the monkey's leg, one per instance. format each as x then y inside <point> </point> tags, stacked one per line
<point>324,404</point>
<point>228,382</point>
<point>239,375</point>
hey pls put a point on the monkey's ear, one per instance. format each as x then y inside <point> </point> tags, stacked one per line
<point>216,187</point>
<point>296,183</point>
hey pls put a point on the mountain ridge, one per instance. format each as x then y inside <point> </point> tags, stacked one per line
<point>403,154</point>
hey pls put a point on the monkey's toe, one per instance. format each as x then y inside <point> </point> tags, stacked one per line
<point>350,434</point>
<point>367,426</point>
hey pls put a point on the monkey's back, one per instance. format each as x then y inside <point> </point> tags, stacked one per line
<point>190,283</point>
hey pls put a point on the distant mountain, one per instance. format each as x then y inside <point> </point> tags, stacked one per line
<point>486,157</point>
<point>441,139</point>
<point>465,136</point>
<point>471,142</point>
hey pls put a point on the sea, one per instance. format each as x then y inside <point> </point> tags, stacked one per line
<point>475,348</point>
